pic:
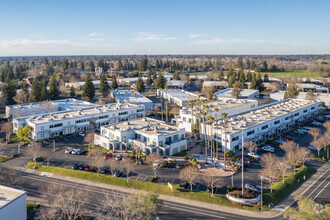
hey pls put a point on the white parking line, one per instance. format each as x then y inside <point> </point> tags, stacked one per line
<point>321,191</point>
<point>172,181</point>
<point>138,177</point>
<point>198,186</point>
<point>145,178</point>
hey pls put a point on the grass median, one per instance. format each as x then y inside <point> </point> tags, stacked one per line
<point>291,182</point>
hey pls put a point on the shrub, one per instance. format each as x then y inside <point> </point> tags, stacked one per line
<point>154,179</point>
<point>229,153</point>
<point>186,158</point>
<point>193,160</point>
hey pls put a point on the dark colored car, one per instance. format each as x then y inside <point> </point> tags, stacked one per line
<point>105,170</point>
<point>82,166</point>
<point>178,166</point>
<point>76,166</point>
<point>117,173</point>
<point>184,185</point>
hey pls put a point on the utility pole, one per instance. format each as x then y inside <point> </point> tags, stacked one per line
<point>19,149</point>
<point>232,178</point>
<point>242,162</point>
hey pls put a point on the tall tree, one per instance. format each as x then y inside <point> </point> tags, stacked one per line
<point>248,64</point>
<point>291,91</point>
<point>140,85</point>
<point>35,90</point>
<point>53,92</point>
<point>149,80</point>
<point>176,75</point>
<point>82,65</point>
<point>104,86</point>
<point>114,83</point>
<point>249,76</point>
<point>220,75</point>
<point>88,88</point>
<point>237,90</point>
<point>91,66</point>
<point>266,79</point>
<point>44,92</point>
<point>154,76</point>
<point>161,82</point>
<point>72,92</point>
<point>9,92</point>
<point>230,72</point>
<point>239,63</point>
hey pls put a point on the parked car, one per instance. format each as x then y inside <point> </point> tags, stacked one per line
<point>107,156</point>
<point>307,128</point>
<point>119,157</point>
<point>82,134</point>
<point>289,138</point>
<point>125,157</point>
<point>252,187</point>
<point>316,123</point>
<point>117,173</point>
<point>87,168</point>
<point>76,166</point>
<point>253,155</point>
<point>312,148</point>
<point>68,150</point>
<point>32,144</point>
<point>268,148</point>
<point>82,166</point>
<point>280,141</point>
<point>178,166</point>
<point>184,185</point>
<point>76,151</point>
<point>105,169</point>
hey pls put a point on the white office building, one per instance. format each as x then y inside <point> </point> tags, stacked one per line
<point>12,203</point>
<point>177,96</point>
<point>262,124</point>
<point>62,123</point>
<point>149,135</point>
<point>34,108</point>
<point>245,94</point>
<point>132,97</point>
<point>188,117</point>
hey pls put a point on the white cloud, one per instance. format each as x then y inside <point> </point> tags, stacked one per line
<point>143,36</point>
<point>93,34</point>
<point>236,41</point>
<point>192,36</point>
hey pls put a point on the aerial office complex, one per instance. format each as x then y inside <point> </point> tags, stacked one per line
<point>245,94</point>
<point>132,97</point>
<point>263,123</point>
<point>177,96</point>
<point>61,123</point>
<point>149,135</point>
<point>187,117</point>
<point>12,203</point>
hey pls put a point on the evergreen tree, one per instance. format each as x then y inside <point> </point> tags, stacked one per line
<point>291,91</point>
<point>114,83</point>
<point>72,92</point>
<point>104,86</point>
<point>9,75</point>
<point>230,72</point>
<point>241,76</point>
<point>44,92</point>
<point>248,64</point>
<point>260,86</point>
<point>91,66</point>
<point>239,63</point>
<point>154,76</point>
<point>253,65</point>
<point>266,79</point>
<point>36,88</point>
<point>264,66</point>
<point>82,65</point>
<point>143,64</point>
<point>140,85</point>
<point>8,92</point>
<point>176,75</point>
<point>149,80</point>
<point>65,64</point>
<point>187,74</point>
<point>25,87</point>
<point>53,92</point>
<point>88,88</point>
<point>253,84</point>
<point>220,75</point>
<point>161,82</point>
<point>232,79</point>
<point>249,76</point>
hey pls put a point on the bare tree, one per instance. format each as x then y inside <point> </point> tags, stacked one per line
<point>129,166</point>
<point>7,127</point>
<point>190,175</point>
<point>89,138</point>
<point>237,90</point>
<point>34,152</point>
<point>269,171</point>
<point>283,166</point>
<point>153,160</point>
<point>291,148</point>
<point>303,155</point>
<point>250,145</point>
<point>21,97</point>
<point>320,142</point>
<point>48,156</point>
<point>315,132</point>
<point>212,182</point>
<point>114,165</point>
<point>97,160</point>
<point>8,177</point>
<point>64,203</point>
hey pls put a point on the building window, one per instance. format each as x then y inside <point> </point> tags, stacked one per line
<point>160,143</point>
<point>123,139</point>
<point>236,147</point>
<point>278,121</point>
<point>235,138</point>
<point>103,116</point>
<point>81,121</point>
<point>313,108</point>
<point>189,120</point>
<point>42,128</point>
<point>305,111</point>
<point>176,137</point>
<point>264,127</point>
<point>140,110</point>
<point>123,113</point>
<point>56,125</point>
<point>287,118</point>
<point>250,132</point>
<point>184,119</point>
<point>296,114</point>
<point>182,136</point>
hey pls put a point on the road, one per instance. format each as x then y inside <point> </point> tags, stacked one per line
<point>33,183</point>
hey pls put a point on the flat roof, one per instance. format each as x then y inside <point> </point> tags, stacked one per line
<point>215,83</point>
<point>245,92</point>
<point>59,116</point>
<point>130,96</point>
<point>180,94</point>
<point>95,82</point>
<point>263,114</point>
<point>175,83</point>
<point>147,126</point>
<point>7,195</point>
<point>63,103</point>
<point>310,86</point>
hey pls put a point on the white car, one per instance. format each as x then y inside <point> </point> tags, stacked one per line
<point>302,130</point>
<point>316,123</point>
<point>312,147</point>
<point>268,148</point>
<point>32,144</point>
<point>69,150</point>
<point>76,151</point>
<point>253,155</point>
<point>81,134</point>
<point>280,141</point>
<point>252,187</point>
<point>307,128</point>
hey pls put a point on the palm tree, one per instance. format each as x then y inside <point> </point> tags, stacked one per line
<point>216,120</point>
<point>224,115</point>
<point>204,114</point>
<point>211,121</point>
<point>191,103</point>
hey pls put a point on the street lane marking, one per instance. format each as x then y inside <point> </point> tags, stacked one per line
<point>200,212</point>
<point>314,183</point>
<point>320,191</point>
<point>317,187</point>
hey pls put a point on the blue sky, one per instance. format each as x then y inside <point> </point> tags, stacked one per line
<point>78,27</point>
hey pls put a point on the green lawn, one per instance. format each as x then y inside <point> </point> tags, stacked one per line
<point>86,148</point>
<point>181,154</point>
<point>29,208</point>
<point>280,190</point>
<point>4,158</point>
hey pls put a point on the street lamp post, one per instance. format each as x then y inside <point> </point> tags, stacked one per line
<point>242,162</point>
<point>261,194</point>
<point>19,149</point>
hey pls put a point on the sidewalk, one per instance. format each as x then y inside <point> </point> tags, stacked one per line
<point>276,211</point>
